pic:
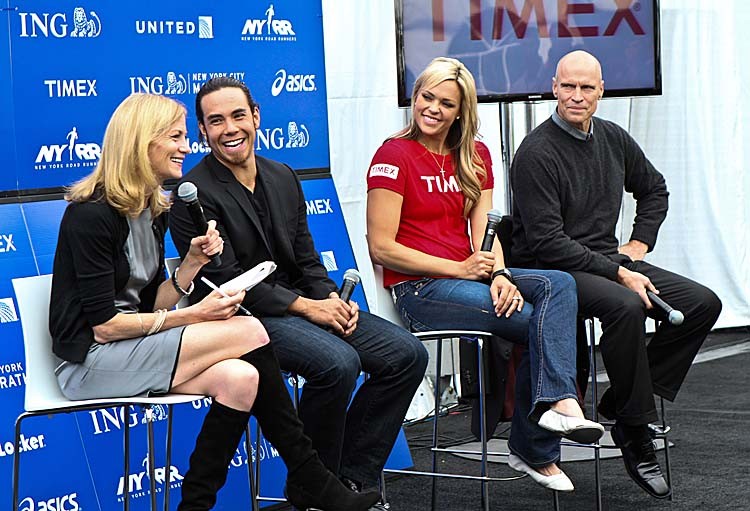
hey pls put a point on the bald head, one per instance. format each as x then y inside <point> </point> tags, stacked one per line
<point>579,59</point>
<point>578,87</point>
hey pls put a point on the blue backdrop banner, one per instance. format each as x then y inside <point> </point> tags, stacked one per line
<point>72,64</point>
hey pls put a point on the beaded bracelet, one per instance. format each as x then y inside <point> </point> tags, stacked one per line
<point>177,287</point>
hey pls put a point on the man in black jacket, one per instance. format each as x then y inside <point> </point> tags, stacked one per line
<point>568,178</point>
<point>260,212</point>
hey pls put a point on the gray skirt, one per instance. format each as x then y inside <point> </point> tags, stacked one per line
<point>125,368</point>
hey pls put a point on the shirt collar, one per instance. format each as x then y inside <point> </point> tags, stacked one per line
<point>570,130</point>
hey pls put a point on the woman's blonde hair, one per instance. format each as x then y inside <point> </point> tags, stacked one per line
<point>124,176</point>
<point>470,171</point>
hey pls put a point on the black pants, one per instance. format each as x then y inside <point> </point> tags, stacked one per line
<point>637,371</point>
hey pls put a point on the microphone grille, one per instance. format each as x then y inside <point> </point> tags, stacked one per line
<point>187,192</point>
<point>676,317</point>
<point>494,215</point>
<point>353,275</point>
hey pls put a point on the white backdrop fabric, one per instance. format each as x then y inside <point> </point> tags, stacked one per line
<point>694,134</point>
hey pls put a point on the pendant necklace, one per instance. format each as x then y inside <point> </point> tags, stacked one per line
<point>441,167</point>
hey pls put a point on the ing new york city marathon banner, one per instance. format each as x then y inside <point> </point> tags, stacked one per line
<point>65,67</point>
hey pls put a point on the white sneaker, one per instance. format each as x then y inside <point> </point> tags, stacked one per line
<point>557,482</point>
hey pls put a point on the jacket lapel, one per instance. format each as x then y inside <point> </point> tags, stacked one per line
<point>273,186</point>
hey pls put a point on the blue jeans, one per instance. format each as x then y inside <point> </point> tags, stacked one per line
<point>354,443</point>
<point>546,324</point>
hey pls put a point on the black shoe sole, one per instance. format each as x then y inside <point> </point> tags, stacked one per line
<point>585,435</point>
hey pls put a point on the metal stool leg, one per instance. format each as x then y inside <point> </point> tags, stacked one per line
<point>126,468</point>
<point>168,463</point>
<point>665,429</point>
<point>149,414</point>
<point>17,460</point>
<point>595,413</point>
<point>435,431</point>
<point>251,480</point>
<point>482,423</point>
<point>381,483</point>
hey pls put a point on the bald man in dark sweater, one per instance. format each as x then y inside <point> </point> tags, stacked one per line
<point>568,178</point>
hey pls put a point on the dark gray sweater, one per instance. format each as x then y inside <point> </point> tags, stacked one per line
<point>567,195</point>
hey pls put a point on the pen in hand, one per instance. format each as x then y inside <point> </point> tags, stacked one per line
<point>222,293</point>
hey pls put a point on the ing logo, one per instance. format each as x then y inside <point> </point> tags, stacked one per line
<point>297,136</point>
<point>58,25</point>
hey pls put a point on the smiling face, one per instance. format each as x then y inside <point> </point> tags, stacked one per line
<point>435,110</point>
<point>229,124</point>
<point>578,87</point>
<point>167,152</point>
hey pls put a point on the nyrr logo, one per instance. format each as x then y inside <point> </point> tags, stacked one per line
<point>56,24</point>
<point>6,243</point>
<point>7,310</point>
<point>292,83</point>
<point>70,88</point>
<point>138,485</point>
<point>65,503</point>
<point>204,28</point>
<point>106,419</point>
<point>296,136</point>
<point>69,155</point>
<point>268,28</point>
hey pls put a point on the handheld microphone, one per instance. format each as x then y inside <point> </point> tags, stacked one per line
<point>675,317</point>
<point>493,219</point>
<point>351,279</point>
<point>188,193</point>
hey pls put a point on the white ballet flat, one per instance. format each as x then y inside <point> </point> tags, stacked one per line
<point>557,482</point>
<point>577,429</point>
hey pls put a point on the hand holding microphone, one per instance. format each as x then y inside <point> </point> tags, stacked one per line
<point>493,220</point>
<point>351,279</point>
<point>188,193</point>
<point>674,316</point>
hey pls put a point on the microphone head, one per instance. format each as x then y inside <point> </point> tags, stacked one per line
<point>494,216</point>
<point>187,192</point>
<point>676,317</point>
<point>352,275</point>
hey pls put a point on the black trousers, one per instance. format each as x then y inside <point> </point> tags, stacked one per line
<point>637,371</point>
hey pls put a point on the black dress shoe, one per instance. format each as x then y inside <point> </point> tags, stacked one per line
<point>640,459</point>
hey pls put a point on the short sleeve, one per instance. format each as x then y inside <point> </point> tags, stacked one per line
<point>387,168</point>
<point>484,154</point>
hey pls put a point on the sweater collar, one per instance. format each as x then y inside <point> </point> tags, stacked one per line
<point>570,130</point>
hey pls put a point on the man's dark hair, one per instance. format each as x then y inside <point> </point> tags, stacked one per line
<point>218,83</point>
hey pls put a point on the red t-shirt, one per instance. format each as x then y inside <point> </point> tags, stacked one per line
<point>432,218</point>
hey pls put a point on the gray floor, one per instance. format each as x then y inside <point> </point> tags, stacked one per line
<point>710,423</point>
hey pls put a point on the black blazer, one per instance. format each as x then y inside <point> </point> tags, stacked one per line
<point>225,200</point>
